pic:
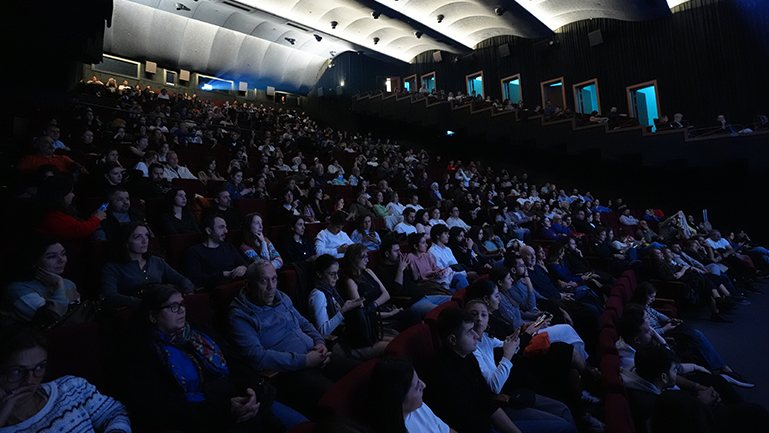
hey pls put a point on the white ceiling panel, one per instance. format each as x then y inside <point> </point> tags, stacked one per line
<point>557,13</point>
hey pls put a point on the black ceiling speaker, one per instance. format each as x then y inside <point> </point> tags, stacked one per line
<point>595,37</point>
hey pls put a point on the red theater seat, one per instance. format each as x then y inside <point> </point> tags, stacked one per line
<point>415,344</point>
<point>618,416</point>
<point>350,396</point>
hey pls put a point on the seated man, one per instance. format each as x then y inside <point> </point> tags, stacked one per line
<point>455,221</point>
<point>119,213</point>
<point>175,171</point>
<point>627,219</point>
<point>399,281</point>
<point>270,334</point>
<point>635,332</point>
<point>223,207</point>
<point>332,240</point>
<point>215,261</point>
<point>154,186</point>
<point>456,390</point>
<point>444,257</point>
<point>44,154</point>
<point>407,225</point>
<point>414,202</point>
<point>651,389</point>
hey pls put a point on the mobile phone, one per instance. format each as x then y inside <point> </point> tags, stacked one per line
<point>545,316</point>
<point>516,334</point>
<point>102,207</point>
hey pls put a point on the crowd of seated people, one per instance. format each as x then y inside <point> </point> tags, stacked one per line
<point>305,288</point>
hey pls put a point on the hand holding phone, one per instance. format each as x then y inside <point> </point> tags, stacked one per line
<point>102,207</point>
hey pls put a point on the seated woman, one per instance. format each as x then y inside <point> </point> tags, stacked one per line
<point>554,371</point>
<point>424,267</point>
<point>394,206</point>
<point>58,218</point>
<point>435,217</point>
<point>40,295</point>
<point>383,212</point>
<point>210,173</point>
<point>578,292</point>
<point>399,393</point>
<point>182,378</point>
<point>288,206</point>
<point>328,309</point>
<point>66,404</point>
<point>358,281</point>
<point>556,266</point>
<point>122,280</point>
<point>260,189</point>
<point>315,210</point>
<point>235,185</point>
<point>176,219</point>
<point>484,255</point>
<point>422,222</point>
<point>543,414</point>
<point>365,233</point>
<point>255,245</point>
<point>676,331</point>
<point>696,285</point>
<point>492,242</point>
<point>295,246</point>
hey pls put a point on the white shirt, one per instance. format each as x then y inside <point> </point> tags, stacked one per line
<point>416,207</point>
<point>721,244</point>
<point>438,221</point>
<point>408,229</point>
<point>496,375</point>
<point>457,222</point>
<point>423,420</point>
<point>628,220</point>
<point>396,209</point>
<point>181,172</point>
<point>320,319</point>
<point>443,256</point>
<point>327,243</point>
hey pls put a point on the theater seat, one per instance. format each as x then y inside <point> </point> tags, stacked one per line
<point>460,296</point>
<point>305,427</point>
<point>431,319</point>
<point>221,297</point>
<point>415,344</point>
<point>191,187</point>
<point>350,396</point>
<point>198,307</point>
<point>75,350</point>
<point>618,416</point>
<point>606,340</point>
<point>609,319</point>
<point>177,245</point>
<point>612,382</point>
<point>374,259</point>
<point>616,304</point>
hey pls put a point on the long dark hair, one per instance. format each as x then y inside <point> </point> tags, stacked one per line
<point>349,264</point>
<point>168,200</point>
<point>390,383</point>
<point>125,233</point>
<point>249,238</point>
<point>26,263</point>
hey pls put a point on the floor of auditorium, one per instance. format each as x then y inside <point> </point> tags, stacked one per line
<point>744,344</point>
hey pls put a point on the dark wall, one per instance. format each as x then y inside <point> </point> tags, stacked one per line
<point>708,58</point>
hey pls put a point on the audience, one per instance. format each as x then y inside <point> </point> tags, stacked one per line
<point>215,261</point>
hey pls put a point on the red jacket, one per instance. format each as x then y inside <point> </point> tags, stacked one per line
<point>60,225</point>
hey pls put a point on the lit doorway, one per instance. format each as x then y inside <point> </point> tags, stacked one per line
<point>554,93</point>
<point>428,80</point>
<point>410,84</point>
<point>392,85</point>
<point>475,84</point>
<point>644,102</point>
<point>586,98</point>
<point>511,88</point>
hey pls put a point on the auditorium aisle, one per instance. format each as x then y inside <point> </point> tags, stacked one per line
<point>744,344</point>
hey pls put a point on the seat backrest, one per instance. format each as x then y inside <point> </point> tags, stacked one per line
<point>75,350</point>
<point>612,382</point>
<point>460,296</point>
<point>616,304</point>
<point>177,245</point>
<point>609,319</point>
<point>222,296</point>
<point>415,344</point>
<point>606,341</point>
<point>198,308</point>
<point>350,397</point>
<point>619,419</point>
<point>431,319</point>
<point>374,259</point>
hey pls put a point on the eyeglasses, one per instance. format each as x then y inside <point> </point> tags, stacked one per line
<point>17,374</point>
<point>175,307</point>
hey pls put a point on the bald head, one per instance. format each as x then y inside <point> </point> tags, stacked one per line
<point>528,255</point>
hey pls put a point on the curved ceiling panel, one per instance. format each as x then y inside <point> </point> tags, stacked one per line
<point>355,23</point>
<point>557,13</point>
<point>516,22</point>
<point>143,32</point>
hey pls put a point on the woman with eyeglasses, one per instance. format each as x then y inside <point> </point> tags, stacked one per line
<point>180,378</point>
<point>328,308</point>
<point>66,404</point>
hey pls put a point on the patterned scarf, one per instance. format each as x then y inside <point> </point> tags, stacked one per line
<point>205,355</point>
